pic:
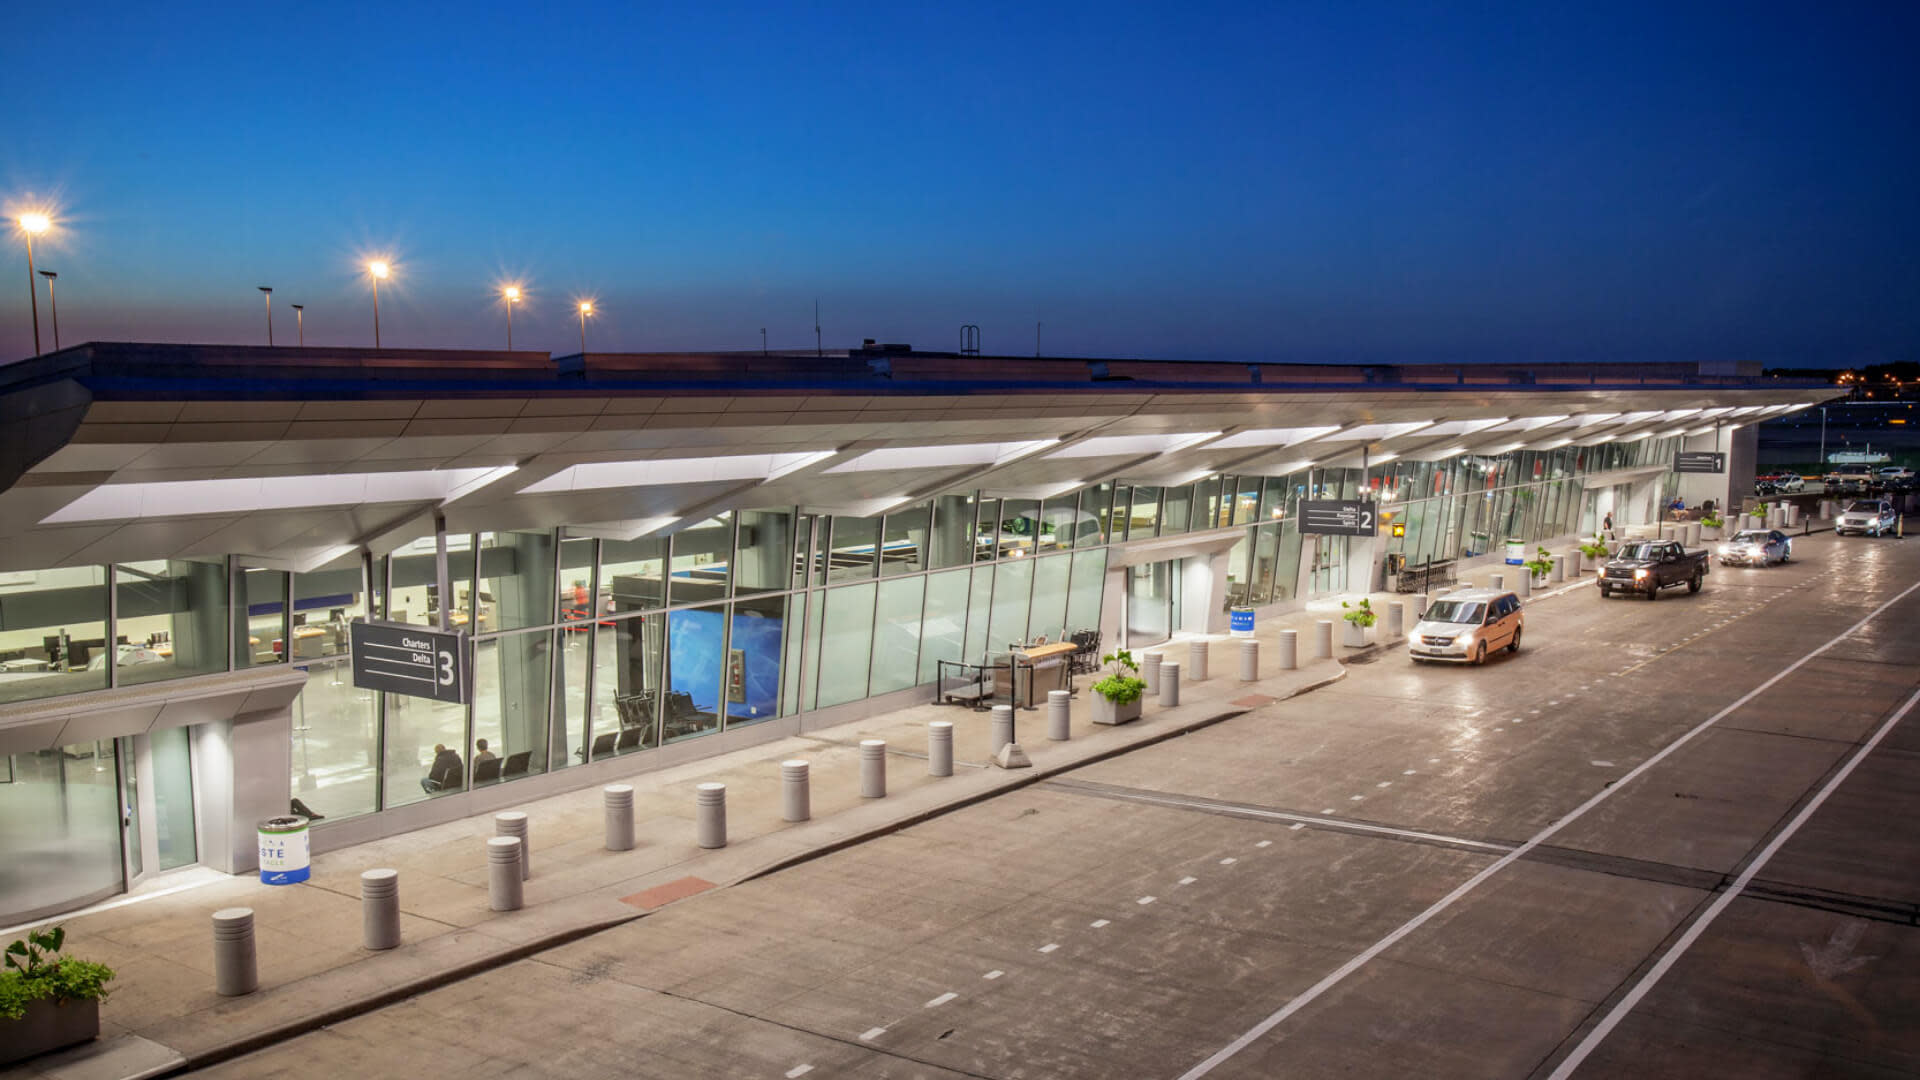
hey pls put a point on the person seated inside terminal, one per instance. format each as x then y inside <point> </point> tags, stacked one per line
<point>445,773</point>
<point>481,753</point>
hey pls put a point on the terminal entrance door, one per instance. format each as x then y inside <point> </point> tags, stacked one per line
<point>1152,602</point>
<point>155,803</point>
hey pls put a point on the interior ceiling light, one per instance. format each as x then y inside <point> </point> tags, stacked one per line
<point>1465,427</point>
<point>1277,436</point>
<point>179,498</point>
<point>1131,445</point>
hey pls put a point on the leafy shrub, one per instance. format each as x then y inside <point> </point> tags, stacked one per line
<point>1595,549</point>
<point>1123,684</point>
<point>35,970</point>
<point>1362,615</point>
<point>1712,521</point>
<point>1541,564</point>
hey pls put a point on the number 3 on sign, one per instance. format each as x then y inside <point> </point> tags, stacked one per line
<point>446,668</point>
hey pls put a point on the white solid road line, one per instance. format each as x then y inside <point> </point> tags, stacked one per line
<point>1654,974</point>
<point>1301,820</point>
<point>1340,974</point>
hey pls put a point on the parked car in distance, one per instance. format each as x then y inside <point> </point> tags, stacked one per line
<point>1756,547</point>
<point>1866,517</point>
<point>1896,472</point>
<point>1845,478</point>
<point>1647,566</point>
<point>1789,483</point>
<point>1465,626</point>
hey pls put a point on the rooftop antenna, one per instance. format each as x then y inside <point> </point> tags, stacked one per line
<point>970,340</point>
<point>763,341</point>
<point>1036,338</point>
<point>817,349</point>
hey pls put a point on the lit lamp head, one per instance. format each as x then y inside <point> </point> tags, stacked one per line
<point>513,292</point>
<point>35,223</point>
<point>586,307</point>
<point>379,270</point>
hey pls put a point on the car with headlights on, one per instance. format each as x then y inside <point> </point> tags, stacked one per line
<point>1866,517</point>
<point>1756,547</point>
<point>1464,626</point>
<point>1647,566</point>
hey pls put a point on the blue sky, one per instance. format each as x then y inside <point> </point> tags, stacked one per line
<point>1268,181</point>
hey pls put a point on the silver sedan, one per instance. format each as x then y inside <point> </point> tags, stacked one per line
<point>1756,547</point>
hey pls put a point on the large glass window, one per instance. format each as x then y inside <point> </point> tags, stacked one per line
<point>791,666</point>
<point>700,557</point>
<point>1012,592</point>
<point>336,744</point>
<point>1086,591</point>
<point>855,542</point>
<point>952,540</point>
<point>904,548</point>
<point>1019,527</point>
<point>260,617</point>
<point>426,748</point>
<point>846,638</point>
<point>1095,503</point>
<point>896,636</point>
<point>1177,512</point>
<point>53,632</point>
<point>173,798</point>
<point>762,551</point>
<point>59,827</point>
<point>510,695</point>
<point>1149,603</point>
<point>633,574</point>
<point>578,598</point>
<point>755,639</point>
<point>944,622</point>
<point>987,533</point>
<point>1057,517</point>
<point>415,597</point>
<point>516,582</point>
<point>1048,617</point>
<point>1143,521</point>
<point>696,649</point>
<point>171,619</point>
<point>627,658</point>
<point>979,597</point>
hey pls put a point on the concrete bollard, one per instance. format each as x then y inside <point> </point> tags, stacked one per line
<point>1289,646</point>
<point>710,815</point>
<point>617,802</point>
<point>873,766</point>
<point>506,889</point>
<point>1419,608</point>
<point>1150,671</point>
<point>1573,564</point>
<point>1323,639</point>
<point>1197,660</point>
<point>380,909</point>
<point>1498,581</point>
<point>999,729</point>
<point>1059,715</point>
<point>236,967</point>
<point>1559,572</point>
<point>514,823</point>
<point>1523,583</point>
<point>1693,534</point>
<point>1169,683</point>
<point>1396,619</point>
<point>796,791</point>
<point>940,748</point>
<point>1250,660</point>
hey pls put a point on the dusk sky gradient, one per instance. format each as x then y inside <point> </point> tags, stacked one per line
<point>1337,181</point>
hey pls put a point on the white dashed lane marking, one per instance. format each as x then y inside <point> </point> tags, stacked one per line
<point>1145,900</point>
<point>1188,880</point>
<point>1228,861</point>
<point>941,1000</point>
<point>1049,946</point>
<point>1269,843</point>
<point>994,974</point>
<point>798,1070</point>
<point>871,1034</point>
<point>1098,923</point>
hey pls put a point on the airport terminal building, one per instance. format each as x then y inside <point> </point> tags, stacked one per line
<point>648,558</point>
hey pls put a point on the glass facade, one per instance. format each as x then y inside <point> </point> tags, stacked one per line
<point>585,649</point>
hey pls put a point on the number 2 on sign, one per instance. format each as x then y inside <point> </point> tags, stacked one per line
<point>446,668</point>
<point>1366,519</point>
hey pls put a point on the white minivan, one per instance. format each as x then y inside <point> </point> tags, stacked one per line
<point>1465,626</point>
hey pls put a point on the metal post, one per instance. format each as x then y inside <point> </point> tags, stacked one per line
<point>440,578</point>
<point>796,791</point>
<point>1197,660</point>
<point>710,815</point>
<point>1323,639</point>
<point>300,323</point>
<point>1169,683</point>
<point>53,303</point>
<point>999,729</point>
<point>940,748</point>
<point>514,823</point>
<point>505,888</point>
<point>376,312</point>
<point>1059,715</point>
<point>33,293</point>
<point>1150,671</point>
<point>236,966</point>
<point>616,800</point>
<point>1396,619</point>
<point>873,768</point>
<point>380,909</point>
<point>267,291</point>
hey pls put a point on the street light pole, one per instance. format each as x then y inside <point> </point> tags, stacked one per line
<point>586,309</point>
<point>378,270</point>
<point>513,293</point>
<point>267,291</point>
<point>32,224</point>
<point>300,323</point>
<point>54,303</point>
<point>1823,436</point>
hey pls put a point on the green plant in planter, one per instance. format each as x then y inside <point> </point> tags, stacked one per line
<point>1595,549</point>
<point>1123,684</point>
<point>1362,615</point>
<point>1541,564</point>
<point>35,970</point>
<point>1712,522</point>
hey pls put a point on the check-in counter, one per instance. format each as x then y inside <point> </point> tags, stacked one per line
<point>1051,667</point>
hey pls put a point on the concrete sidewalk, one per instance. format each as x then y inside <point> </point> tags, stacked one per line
<point>164,1016</point>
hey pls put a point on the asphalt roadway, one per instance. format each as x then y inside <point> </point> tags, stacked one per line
<point>1669,838</point>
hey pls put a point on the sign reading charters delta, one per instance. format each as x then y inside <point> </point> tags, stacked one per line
<point>1699,461</point>
<point>1339,517</point>
<point>398,659</point>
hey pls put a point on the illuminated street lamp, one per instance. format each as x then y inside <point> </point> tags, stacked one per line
<point>379,271</point>
<point>586,309</point>
<point>512,293</point>
<point>33,225</point>
<point>55,304</point>
<point>300,322</point>
<point>267,291</point>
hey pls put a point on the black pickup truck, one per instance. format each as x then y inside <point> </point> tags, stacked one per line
<point>1647,566</point>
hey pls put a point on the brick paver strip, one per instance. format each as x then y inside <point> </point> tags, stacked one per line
<point>1253,701</point>
<point>662,895</point>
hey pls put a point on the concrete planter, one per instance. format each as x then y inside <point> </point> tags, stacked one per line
<point>1709,532</point>
<point>1353,636</point>
<point>49,1025</point>
<point>1106,712</point>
